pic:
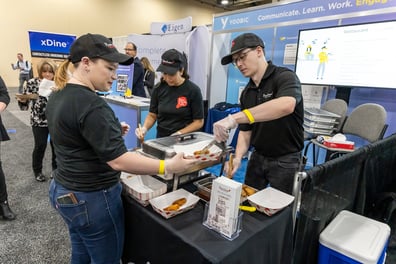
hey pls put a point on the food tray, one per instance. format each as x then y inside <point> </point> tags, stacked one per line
<point>318,131</point>
<point>205,188</point>
<point>321,125</point>
<point>142,187</point>
<point>317,114</point>
<point>189,150</point>
<point>160,202</point>
<point>270,200</point>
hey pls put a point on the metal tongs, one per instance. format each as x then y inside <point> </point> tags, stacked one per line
<point>207,147</point>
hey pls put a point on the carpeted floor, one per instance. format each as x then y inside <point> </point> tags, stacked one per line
<point>38,235</point>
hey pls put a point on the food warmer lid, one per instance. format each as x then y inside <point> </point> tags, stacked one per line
<point>162,148</point>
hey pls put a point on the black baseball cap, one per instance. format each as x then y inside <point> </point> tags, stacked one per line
<point>97,46</point>
<point>171,61</point>
<point>244,41</point>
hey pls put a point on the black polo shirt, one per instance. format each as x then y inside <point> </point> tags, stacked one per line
<point>280,136</point>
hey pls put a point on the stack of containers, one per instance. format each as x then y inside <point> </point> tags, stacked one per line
<point>319,122</point>
<point>351,239</point>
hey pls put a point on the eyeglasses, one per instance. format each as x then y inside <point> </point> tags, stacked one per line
<point>241,57</point>
<point>129,49</point>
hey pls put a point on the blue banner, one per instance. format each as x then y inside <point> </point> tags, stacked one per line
<point>296,11</point>
<point>50,45</point>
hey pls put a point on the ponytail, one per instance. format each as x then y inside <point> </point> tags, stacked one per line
<point>61,76</point>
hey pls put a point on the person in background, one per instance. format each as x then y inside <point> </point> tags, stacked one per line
<point>149,76</point>
<point>5,210</point>
<point>176,102</point>
<point>91,153</point>
<point>24,67</point>
<point>138,72</point>
<point>271,119</point>
<point>46,71</point>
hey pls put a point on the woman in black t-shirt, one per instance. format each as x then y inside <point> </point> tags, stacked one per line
<point>91,153</point>
<point>176,102</point>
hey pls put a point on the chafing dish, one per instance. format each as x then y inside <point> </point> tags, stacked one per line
<point>163,148</point>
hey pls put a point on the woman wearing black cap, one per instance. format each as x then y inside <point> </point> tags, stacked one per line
<point>176,103</point>
<point>91,152</point>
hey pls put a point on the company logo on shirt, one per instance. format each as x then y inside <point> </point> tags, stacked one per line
<point>181,102</point>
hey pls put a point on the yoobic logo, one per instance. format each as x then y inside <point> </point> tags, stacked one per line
<point>172,28</point>
<point>224,21</point>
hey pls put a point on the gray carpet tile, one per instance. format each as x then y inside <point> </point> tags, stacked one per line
<point>38,235</point>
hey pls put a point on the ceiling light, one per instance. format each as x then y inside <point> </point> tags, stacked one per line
<point>223,2</point>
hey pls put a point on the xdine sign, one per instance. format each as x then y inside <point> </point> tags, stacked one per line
<point>50,43</point>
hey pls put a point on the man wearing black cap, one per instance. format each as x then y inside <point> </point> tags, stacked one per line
<point>271,119</point>
<point>176,103</point>
<point>91,153</point>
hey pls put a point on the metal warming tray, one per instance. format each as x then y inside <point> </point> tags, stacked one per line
<point>320,115</point>
<point>163,148</point>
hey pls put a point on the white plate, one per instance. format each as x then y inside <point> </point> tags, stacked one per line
<point>160,202</point>
<point>189,149</point>
<point>270,200</point>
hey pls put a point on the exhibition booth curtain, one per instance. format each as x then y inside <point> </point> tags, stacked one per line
<point>351,182</point>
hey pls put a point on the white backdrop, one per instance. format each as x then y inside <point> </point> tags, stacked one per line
<point>196,44</point>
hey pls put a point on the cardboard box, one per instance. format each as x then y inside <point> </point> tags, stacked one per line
<point>339,144</point>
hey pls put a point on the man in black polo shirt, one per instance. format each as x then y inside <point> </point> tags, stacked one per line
<point>271,119</point>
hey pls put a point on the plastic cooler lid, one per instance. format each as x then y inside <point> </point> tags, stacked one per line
<point>355,236</point>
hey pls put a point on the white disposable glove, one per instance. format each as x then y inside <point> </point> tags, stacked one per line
<point>140,132</point>
<point>124,128</point>
<point>221,128</point>
<point>178,163</point>
<point>236,163</point>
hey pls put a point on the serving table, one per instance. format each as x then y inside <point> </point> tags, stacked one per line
<point>184,239</point>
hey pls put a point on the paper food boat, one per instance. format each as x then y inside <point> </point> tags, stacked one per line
<point>270,200</point>
<point>163,201</point>
<point>142,187</point>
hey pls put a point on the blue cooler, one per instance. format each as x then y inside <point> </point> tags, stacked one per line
<point>352,238</point>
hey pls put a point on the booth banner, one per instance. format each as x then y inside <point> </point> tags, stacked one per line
<point>171,27</point>
<point>50,45</point>
<point>194,43</point>
<point>152,46</point>
<point>303,10</point>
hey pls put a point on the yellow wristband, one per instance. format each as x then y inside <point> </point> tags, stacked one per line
<point>249,116</point>
<point>161,169</point>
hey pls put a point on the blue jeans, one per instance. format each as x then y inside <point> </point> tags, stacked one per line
<point>278,172</point>
<point>96,223</point>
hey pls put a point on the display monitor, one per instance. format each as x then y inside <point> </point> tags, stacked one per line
<point>360,55</point>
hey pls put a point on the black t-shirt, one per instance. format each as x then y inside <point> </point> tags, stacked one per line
<point>176,107</point>
<point>86,134</point>
<point>283,135</point>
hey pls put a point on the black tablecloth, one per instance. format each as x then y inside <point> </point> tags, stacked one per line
<point>183,238</point>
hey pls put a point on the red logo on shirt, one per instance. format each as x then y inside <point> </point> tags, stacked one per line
<point>181,102</point>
